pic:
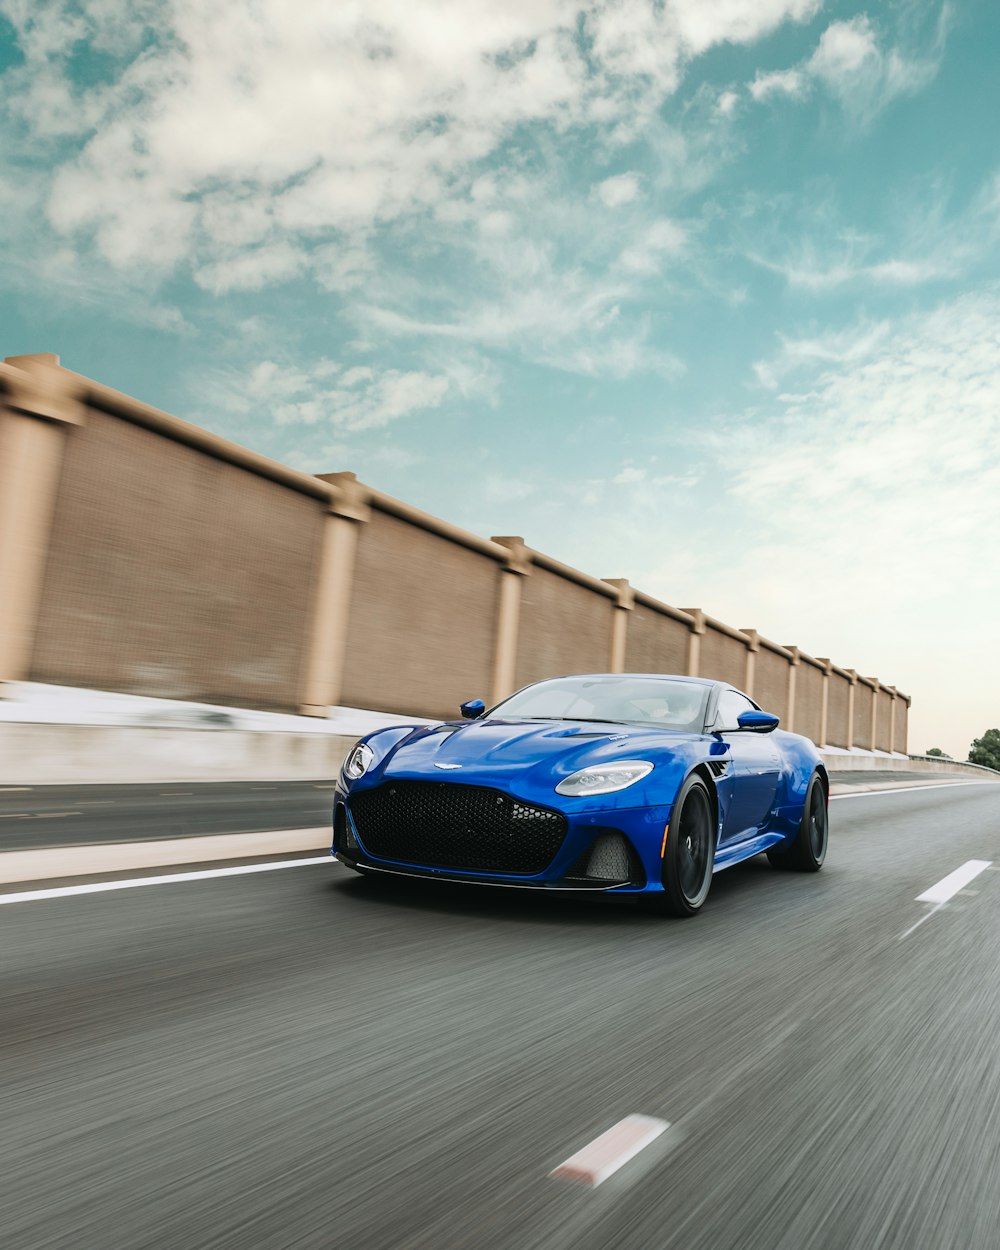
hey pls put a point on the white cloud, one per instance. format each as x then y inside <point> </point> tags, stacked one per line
<point>620,189</point>
<point>219,124</point>
<point>790,82</point>
<point>351,400</point>
<point>809,242</point>
<point>851,64</point>
<point>654,242</point>
<point>248,147</point>
<point>252,269</point>
<point>727,103</point>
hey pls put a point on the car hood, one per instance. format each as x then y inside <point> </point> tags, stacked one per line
<point>521,755</point>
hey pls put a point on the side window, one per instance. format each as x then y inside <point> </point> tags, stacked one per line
<point>731,705</point>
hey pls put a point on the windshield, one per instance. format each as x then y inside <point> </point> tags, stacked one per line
<point>659,702</point>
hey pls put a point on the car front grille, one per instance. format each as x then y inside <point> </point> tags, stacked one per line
<point>445,825</point>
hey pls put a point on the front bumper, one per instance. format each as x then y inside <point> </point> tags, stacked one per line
<point>640,831</point>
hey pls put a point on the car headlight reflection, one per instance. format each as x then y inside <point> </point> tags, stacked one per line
<point>359,761</point>
<point>605,778</point>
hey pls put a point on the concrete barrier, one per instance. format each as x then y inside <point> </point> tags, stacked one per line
<point>875,761</point>
<point>46,754</point>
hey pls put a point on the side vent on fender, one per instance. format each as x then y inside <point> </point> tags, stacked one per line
<point>718,767</point>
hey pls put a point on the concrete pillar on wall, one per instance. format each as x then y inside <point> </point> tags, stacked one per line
<point>750,670</point>
<point>793,668</point>
<point>37,409</point>
<point>619,622</point>
<point>824,702</point>
<point>850,708</point>
<point>518,565</point>
<point>694,641</point>
<point>892,718</point>
<point>873,736</point>
<point>326,651</point>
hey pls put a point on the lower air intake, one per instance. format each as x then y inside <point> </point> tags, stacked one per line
<point>607,860</point>
<point>447,825</point>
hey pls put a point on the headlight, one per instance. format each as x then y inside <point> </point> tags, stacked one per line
<point>605,778</point>
<point>358,762</point>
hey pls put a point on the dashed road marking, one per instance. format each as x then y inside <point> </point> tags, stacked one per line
<point>603,1156</point>
<point>949,886</point>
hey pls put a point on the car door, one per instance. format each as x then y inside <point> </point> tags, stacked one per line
<point>756,769</point>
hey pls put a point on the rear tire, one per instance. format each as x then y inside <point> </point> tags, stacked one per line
<point>690,850</point>
<point>807,850</point>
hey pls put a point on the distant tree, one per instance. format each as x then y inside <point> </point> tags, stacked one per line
<point>986,750</point>
<point>938,752</point>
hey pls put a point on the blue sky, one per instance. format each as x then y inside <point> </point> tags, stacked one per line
<point>704,294</point>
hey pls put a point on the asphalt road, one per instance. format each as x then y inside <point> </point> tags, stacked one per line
<point>33,817</point>
<point>303,1058</point>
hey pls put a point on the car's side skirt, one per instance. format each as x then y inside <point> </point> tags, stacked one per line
<point>726,856</point>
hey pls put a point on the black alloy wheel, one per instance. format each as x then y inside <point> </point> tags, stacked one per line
<point>807,850</point>
<point>689,855</point>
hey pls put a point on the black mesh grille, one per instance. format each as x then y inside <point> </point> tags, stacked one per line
<point>445,825</point>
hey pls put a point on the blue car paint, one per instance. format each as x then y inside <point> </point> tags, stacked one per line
<point>760,795</point>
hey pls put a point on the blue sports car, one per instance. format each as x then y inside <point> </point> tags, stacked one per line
<point>625,782</point>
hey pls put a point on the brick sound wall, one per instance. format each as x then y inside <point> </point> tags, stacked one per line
<point>808,700</point>
<point>174,574</point>
<point>564,628</point>
<point>655,642</point>
<point>422,620</point>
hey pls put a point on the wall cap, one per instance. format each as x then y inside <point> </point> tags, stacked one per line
<point>626,595</point>
<point>37,387</point>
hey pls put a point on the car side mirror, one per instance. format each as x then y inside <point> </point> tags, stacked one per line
<point>758,722</point>
<point>473,709</point>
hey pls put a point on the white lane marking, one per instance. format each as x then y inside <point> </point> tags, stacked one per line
<point>99,887</point>
<point>920,921</point>
<point>15,789</point>
<point>949,886</point>
<point>603,1156</point>
<point>37,815</point>
<point>931,785</point>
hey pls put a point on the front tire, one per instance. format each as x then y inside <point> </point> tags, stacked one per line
<point>690,850</point>
<point>807,850</point>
